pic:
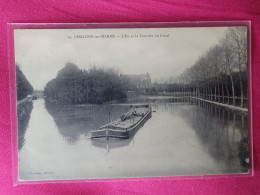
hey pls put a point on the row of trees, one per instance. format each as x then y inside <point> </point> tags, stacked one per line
<point>23,86</point>
<point>75,86</point>
<point>221,74</point>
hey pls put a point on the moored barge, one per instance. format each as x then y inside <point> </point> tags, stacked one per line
<point>125,126</point>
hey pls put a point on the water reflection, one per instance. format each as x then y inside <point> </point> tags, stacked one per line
<point>73,121</point>
<point>112,143</point>
<point>23,116</point>
<point>223,132</point>
<point>183,137</point>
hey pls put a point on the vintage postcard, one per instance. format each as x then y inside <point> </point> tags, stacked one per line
<point>131,102</point>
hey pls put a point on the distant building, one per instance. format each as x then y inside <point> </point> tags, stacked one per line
<point>141,82</point>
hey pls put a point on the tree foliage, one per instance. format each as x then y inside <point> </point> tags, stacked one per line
<point>222,71</point>
<point>75,86</point>
<point>23,86</point>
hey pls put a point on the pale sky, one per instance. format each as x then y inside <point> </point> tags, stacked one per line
<point>41,53</point>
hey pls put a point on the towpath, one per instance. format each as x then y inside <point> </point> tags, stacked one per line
<point>223,105</point>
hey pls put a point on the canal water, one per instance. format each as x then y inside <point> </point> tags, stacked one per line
<point>183,137</point>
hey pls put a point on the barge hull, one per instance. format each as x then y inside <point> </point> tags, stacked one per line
<point>123,134</point>
<point>110,133</point>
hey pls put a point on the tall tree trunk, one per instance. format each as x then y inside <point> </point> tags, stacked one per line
<point>215,93</point>
<point>233,90</point>
<point>202,92</point>
<point>218,92</point>
<point>241,90</point>
<point>222,88</point>
<point>207,91</point>
<point>227,90</point>
<point>210,93</point>
<point>240,81</point>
